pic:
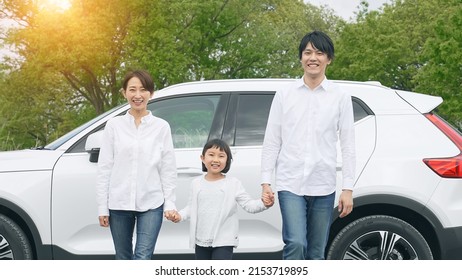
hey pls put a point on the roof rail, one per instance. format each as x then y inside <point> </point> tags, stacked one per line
<point>374,83</point>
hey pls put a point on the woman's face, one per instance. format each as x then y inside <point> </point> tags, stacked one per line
<point>137,96</point>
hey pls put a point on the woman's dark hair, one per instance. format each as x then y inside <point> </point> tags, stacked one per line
<point>320,41</point>
<point>144,76</point>
<point>222,146</point>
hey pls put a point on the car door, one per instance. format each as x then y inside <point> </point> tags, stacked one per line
<point>193,120</point>
<point>75,226</point>
<point>244,130</point>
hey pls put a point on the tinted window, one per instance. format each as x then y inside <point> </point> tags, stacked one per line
<point>360,109</point>
<point>190,118</point>
<point>251,119</point>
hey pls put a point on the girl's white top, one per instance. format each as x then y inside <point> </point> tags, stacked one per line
<point>232,194</point>
<point>210,199</point>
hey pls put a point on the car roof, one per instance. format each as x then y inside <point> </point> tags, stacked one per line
<point>382,99</point>
<point>230,85</point>
<point>226,86</point>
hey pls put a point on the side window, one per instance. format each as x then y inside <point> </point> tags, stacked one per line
<point>190,118</point>
<point>360,109</point>
<point>251,118</point>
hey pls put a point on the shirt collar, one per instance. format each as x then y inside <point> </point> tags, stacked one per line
<point>144,119</point>
<point>325,84</point>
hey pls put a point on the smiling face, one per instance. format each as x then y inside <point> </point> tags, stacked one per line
<point>137,96</point>
<point>214,161</point>
<point>314,62</point>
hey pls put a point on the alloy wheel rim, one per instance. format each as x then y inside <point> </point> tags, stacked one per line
<point>6,253</point>
<point>380,245</point>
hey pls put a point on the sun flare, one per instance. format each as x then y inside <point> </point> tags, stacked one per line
<point>59,5</point>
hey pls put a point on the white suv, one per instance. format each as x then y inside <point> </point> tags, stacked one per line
<point>408,190</point>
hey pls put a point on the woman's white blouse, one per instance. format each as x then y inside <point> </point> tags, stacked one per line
<point>136,166</point>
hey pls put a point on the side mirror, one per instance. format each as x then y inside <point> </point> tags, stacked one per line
<point>93,144</point>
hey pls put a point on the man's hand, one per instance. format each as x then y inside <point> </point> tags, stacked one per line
<point>345,203</point>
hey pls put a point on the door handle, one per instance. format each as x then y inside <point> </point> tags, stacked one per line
<point>186,172</point>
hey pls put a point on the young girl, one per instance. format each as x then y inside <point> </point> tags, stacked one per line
<point>212,206</point>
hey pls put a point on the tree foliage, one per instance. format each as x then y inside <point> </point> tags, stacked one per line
<point>70,63</point>
<point>81,45</point>
<point>219,39</point>
<point>442,72</point>
<point>410,45</point>
<point>74,59</point>
<point>36,108</point>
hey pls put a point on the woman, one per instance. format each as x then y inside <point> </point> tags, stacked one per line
<point>136,172</point>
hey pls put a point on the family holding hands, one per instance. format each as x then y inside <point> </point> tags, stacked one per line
<point>137,169</point>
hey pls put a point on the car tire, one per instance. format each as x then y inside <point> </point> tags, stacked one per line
<point>14,244</point>
<point>379,237</point>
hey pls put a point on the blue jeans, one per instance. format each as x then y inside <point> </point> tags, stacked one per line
<point>122,224</point>
<point>214,253</point>
<point>305,225</point>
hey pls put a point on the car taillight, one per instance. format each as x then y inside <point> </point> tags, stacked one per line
<point>446,167</point>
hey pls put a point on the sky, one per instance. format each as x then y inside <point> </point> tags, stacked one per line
<point>346,8</point>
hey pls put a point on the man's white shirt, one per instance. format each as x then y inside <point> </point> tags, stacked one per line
<point>304,127</point>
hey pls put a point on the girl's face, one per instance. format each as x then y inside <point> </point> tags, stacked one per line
<point>214,160</point>
<point>137,96</point>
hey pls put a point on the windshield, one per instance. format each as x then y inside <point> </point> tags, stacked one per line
<point>63,139</point>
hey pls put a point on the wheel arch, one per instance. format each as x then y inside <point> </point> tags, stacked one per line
<point>27,224</point>
<point>408,210</point>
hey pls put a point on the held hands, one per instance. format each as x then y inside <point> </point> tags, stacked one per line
<point>172,215</point>
<point>267,195</point>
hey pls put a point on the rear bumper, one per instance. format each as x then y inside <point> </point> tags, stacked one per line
<point>451,243</point>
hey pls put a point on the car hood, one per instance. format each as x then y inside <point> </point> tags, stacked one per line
<point>30,160</point>
<point>422,102</point>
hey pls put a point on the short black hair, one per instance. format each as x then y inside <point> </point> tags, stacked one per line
<point>320,41</point>
<point>222,146</point>
<point>145,79</point>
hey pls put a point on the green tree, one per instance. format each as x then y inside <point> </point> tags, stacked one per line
<point>386,45</point>
<point>410,45</point>
<point>71,62</point>
<point>36,108</point>
<point>218,39</point>
<point>442,72</point>
<point>83,44</point>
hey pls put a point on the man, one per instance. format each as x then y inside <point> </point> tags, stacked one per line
<point>306,120</point>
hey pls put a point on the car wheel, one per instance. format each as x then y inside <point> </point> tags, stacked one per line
<point>379,238</point>
<point>14,244</point>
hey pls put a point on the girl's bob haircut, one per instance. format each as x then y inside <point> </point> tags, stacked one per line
<point>222,146</point>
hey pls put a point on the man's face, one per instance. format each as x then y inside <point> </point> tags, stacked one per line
<point>314,62</point>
